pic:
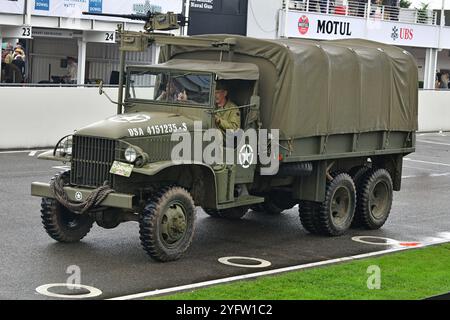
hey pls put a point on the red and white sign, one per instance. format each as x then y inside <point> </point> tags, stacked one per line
<point>303,24</point>
<point>328,27</point>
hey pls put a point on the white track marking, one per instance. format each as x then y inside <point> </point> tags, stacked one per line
<point>428,162</point>
<point>32,153</point>
<point>269,272</point>
<point>444,174</point>
<point>21,151</point>
<point>93,292</point>
<point>262,263</point>
<point>432,175</point>
<point>421,168</point>
<point>433,134</point>
<point>432,142</point>
<point>389,241</point>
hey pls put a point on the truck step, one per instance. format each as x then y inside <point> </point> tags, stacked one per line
<point>245,200</point>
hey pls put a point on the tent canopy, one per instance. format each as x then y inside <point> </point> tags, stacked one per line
<point>223,70</point>
<point>315,88</point>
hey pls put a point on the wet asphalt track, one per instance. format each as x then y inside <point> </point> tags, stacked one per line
<point>114,262</point>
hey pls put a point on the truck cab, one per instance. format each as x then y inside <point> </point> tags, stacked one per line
<point>131,153</point>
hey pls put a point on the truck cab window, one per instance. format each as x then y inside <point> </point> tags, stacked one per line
<point>167,87</point>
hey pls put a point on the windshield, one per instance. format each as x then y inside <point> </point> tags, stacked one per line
<point>169,87</point>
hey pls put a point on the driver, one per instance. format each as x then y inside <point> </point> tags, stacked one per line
<point>173,93</point>
<point>227,116</point>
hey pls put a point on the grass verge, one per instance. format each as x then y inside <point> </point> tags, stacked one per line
<point>411,274</point>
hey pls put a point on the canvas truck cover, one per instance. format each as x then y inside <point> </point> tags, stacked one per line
<point>310,88</point>
<point>223,70</point>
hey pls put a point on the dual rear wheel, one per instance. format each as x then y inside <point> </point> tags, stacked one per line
<point>361,198</point>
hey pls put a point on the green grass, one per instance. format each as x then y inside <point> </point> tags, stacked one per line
<point>411,274</point>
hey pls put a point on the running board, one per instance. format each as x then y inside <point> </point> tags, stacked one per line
<point>246,200</point>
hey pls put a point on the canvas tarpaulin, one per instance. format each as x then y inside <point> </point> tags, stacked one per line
<point>310,88</point>
<point>223,70</point>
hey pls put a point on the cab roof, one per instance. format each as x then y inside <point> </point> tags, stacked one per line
<point>223,69</point>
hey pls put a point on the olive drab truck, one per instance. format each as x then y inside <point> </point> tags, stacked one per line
<point>345,110</point>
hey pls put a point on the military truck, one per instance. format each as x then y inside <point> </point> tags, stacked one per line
<point>346,111</point>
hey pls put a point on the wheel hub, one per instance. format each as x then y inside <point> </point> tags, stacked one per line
<point>173,224</point>
<point>340,206</point>
<point>378,200</point>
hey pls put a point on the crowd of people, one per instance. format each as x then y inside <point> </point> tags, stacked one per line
<point>13,64</point>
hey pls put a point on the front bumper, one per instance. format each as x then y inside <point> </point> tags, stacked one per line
<point>114,200</point>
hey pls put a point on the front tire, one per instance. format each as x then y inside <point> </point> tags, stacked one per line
<point>166,225</point>
<point>63,225</point>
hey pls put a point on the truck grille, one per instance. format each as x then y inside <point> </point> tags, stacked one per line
<point>91,161</point>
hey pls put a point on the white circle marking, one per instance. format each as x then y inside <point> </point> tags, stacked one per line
<point>130,118</point>
<point>389,241</point>
<point>246,156</point>
<point>93,292</point>
<point>262,263</point>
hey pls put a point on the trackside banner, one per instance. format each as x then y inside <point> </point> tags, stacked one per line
<point>12,6</point>
<point>328,27</point>
<point>74,8</point>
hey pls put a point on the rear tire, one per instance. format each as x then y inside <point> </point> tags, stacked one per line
<point>358,173</point>
<point>275,203</point>
<point>375,196</point>
<point>309,212</point>
<point>336,213</point>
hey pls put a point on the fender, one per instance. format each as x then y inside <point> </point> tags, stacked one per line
<point>206,199</point>
<point>49,155</point>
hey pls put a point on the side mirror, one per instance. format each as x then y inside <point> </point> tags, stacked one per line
<point>100,88</point>
<point>101,92</point>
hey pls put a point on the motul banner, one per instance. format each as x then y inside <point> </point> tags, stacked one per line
<point>12,6</point>
<point>329,27</point>
<point>74,8</point>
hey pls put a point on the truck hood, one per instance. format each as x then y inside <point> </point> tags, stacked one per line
<point>139,124</point>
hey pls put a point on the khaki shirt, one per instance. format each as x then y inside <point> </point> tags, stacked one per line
<point>229,119</point>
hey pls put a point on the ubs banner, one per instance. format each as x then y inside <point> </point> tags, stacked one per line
<point>12,6</point>
<point>325,27</point>
<point>218,16</point>
<point>74,8</point>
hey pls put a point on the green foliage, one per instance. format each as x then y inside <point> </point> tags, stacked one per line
<point>405,4</point>
<point>422,13</point>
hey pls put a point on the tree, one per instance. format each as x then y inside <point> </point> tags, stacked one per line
<point>422,13</point>
<point>405,4</point>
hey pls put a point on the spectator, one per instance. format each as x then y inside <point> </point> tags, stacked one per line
<point>72,70</point>
<point>18,59</point>
<point>10,73</point>
<point>444,81</point>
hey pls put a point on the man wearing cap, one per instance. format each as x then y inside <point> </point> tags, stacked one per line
<point>228,115</point>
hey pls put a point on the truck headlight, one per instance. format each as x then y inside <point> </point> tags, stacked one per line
<point>130,154</point>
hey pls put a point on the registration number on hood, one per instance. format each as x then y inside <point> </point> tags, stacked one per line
<point>157,129</point>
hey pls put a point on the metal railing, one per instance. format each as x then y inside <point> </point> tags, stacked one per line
<point>364,9</point>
